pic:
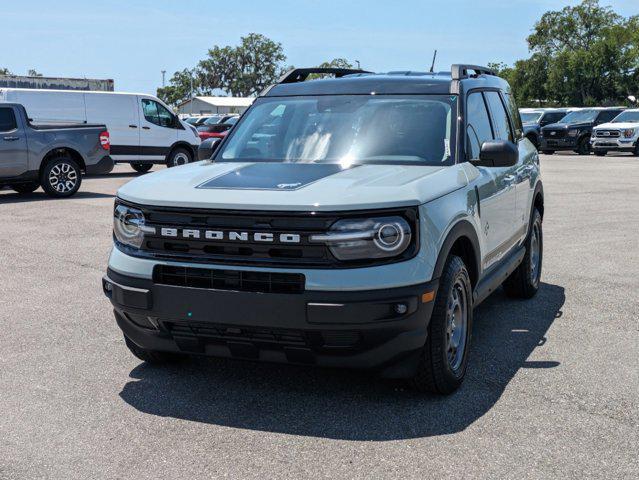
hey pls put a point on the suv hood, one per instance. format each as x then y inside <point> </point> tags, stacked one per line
<point>617,126</point>
<point>290,186</point>
<point>566,126</point>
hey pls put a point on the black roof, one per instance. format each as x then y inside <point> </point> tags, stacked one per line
<point>404,82</point>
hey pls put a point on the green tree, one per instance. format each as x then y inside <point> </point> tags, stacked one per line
<point>335,63</point>
<point>244,70</point>
<point>179,87</point>
<point>5,71</point>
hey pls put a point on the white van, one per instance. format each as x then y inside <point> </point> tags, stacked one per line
<point>143,130</point>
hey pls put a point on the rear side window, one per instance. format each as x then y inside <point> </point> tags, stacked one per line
<point>478,128</point>
<point>501,124</point>
<point>156,113</point>
<point>7,120</point>
<point>514,115</point>
<point>606,116</point>
<point>552,117</point>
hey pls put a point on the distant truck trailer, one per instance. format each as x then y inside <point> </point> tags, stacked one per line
<point>56,83</point>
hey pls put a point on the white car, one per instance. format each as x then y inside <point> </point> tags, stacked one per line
<point>621,134</point>
<point>143,129</point>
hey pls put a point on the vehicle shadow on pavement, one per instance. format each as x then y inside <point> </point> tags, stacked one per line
<point>351,405</point>
<point>41,196</point>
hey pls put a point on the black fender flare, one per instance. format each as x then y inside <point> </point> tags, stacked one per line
<point>185,145</point>
<point>463,228</point>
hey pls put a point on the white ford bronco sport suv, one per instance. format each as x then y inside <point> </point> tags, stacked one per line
<point>353,221</point>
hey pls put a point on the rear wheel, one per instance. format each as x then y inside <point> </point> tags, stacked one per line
<point>583,147</point>
<point>524,281</point>
<point>25,187</point>
<point>152,356</point>
<point>179,156</point>
<point>141,167</point>
<point>599,152</point>
<point>61,177</point>
<point>444,358</point>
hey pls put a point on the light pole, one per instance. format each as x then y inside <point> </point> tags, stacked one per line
<point>163,76</point>
<point>358,65</point>
<point>191,79</point>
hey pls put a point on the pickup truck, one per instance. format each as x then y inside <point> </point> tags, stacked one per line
<point>353,221</point>
<point>619,135</point>
<point>49,156</point>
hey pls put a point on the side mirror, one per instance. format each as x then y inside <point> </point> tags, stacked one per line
<point>497,153</point>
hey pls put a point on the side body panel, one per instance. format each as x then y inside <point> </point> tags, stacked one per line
<point>14,152</point>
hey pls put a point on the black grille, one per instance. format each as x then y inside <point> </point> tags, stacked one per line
<point>608,133</point>
<point>551,134</point>
<point>237,280</point>
<point>212,332</point>
<point>250,251</point>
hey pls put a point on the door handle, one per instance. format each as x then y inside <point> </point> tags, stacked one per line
<point>133,126</point>
<point>510,178</point>
<point>11,139</point>
<point>146,128</point>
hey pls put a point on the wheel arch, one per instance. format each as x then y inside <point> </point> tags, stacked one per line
<point>462,241</point>
<point>60,152</point>
<point>181,144</point>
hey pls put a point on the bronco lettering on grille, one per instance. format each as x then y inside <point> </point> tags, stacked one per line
<point>232,236</point>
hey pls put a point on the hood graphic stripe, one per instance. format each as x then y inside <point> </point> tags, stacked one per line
<point>273,176</point>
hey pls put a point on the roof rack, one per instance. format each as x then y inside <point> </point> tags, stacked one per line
<point>300,74</point>
<point>459,71</point>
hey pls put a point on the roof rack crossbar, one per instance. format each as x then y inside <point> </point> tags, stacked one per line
<point>459,71</point>
<point>300,74</point>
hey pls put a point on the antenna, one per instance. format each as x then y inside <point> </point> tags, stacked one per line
<point>432,65</point>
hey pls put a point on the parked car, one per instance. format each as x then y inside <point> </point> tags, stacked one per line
<point>51,156</point>
<point>620,135</point>
<point>534,119</point>
<point>143,130</point>
<point>573,131</point>
<point>200,120</point>
<point>361,232</point>
<point>191,120</point>
<point>217,130</point>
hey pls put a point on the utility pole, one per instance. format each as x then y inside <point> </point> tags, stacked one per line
<point>191,78</point>
<point>163,75</point>
<point>432,65</point>
<point>358,65</point>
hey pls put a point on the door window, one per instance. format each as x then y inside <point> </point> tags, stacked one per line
<point>478,128</point>
<point>606,116</point>
<point>500,117</point>
<point>7,120</point>
<point>157,114</point>
<point>514,115</point>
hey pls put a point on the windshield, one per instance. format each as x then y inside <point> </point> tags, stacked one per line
<point>629,116</point>
<point>530,117</point>
<point>346,129</point>
<point>213,120</point>
<point>580,116</point>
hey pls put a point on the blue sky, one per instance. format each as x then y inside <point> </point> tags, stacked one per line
<point>132,41</point>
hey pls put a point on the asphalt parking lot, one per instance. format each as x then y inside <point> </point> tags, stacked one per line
<point>552,389</point>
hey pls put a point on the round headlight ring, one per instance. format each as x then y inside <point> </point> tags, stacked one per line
<point>389,237</point>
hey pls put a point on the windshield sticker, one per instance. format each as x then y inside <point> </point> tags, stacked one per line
<point>446,148</point>
<point>273,176</point>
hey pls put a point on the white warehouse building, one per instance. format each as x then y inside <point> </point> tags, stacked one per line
<point>208,105</point>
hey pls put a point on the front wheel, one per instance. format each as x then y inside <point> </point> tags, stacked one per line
<point>443,360</point>
<point>24,188</point>
<point>179,156</point>
<point>61,177</point>
<point>600,153</point>
<point>141,167</point>
<point>583,147</point>
<point>524,281</point>
<point>547,152</point>
<point>636,150</point>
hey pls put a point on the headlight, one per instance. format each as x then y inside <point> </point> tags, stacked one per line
<point>629,133</point>
<point>357,239</point>
<point>573,133</point>
<point>128,225</point>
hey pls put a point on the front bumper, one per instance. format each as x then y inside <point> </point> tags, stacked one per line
<point>104,166</point>
<point>609,144</point>
<point>352,329</point>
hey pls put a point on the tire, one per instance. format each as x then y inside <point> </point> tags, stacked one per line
<point>179,156</point>
<point>636,150</point>
<point>524,281</point>
<point>547,152</point>
<point>141,167</point>
<point>442,367</point>
<point>583,147</point>
<point>25,188</point>
<point>600,153</point>
<point>151,356</point>
<point>61,177</point>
